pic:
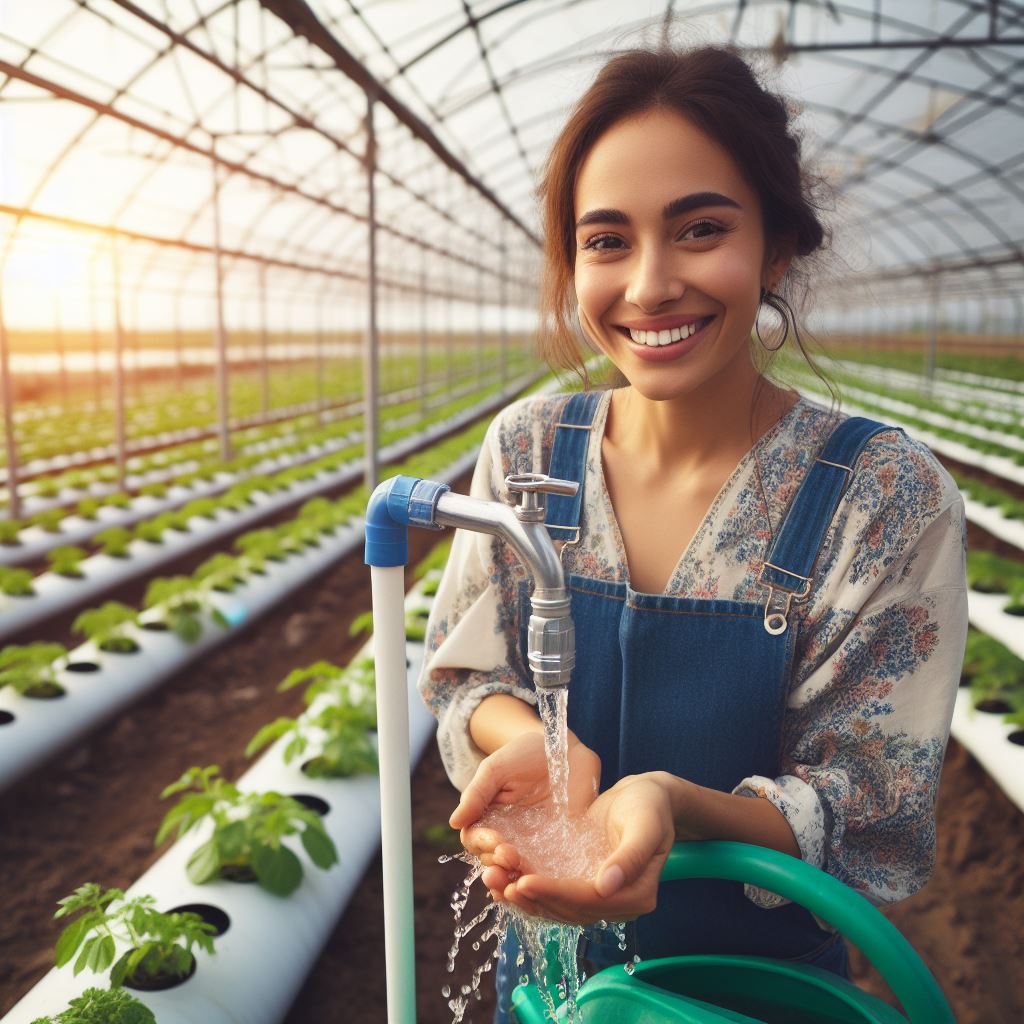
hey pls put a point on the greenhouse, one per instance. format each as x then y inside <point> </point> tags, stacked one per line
<point>300,580</point>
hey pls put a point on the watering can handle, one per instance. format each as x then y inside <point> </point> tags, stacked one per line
<point>847,911</point>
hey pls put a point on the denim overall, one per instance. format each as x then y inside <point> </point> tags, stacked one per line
<point>697,688</point>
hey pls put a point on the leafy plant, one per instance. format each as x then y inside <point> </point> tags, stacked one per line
<point>184,600</point>
<point>118,500</point>
<point>88,507</point>
<point>248,829</point>
<point>47,487</point>
<point>49,519</point>
<point>107,627</point>
<point>160,945</point>
<point>263,543</point>
<point>362,625</point>
<point>9,530</point>
<point>221,572</point>
<point>16,582</point>
<point>102,1006</point>
<point>114,541</point>
<point>205,508</point>
<point>154,490</point>
<point>30,669</point>
<point>65,561</point>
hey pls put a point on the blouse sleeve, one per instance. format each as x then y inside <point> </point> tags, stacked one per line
<point>471,640</point>
<point>878,666</point>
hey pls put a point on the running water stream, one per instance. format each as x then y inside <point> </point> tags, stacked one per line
<point>550,842</point>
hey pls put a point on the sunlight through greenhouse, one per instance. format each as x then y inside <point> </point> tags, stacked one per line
<point>512,511</point>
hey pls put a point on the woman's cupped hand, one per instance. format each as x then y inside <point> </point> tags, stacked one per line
<point>636,816</point>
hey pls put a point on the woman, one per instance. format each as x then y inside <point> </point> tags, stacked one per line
<point>769,598</point>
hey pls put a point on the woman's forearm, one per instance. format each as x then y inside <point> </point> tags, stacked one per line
<point>702,813</point>
<point>500,718</point>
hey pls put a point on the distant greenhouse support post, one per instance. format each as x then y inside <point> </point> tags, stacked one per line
<point>371,375</point>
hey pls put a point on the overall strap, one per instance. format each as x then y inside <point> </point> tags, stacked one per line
<point>569,462</point>
<point>787,569</point>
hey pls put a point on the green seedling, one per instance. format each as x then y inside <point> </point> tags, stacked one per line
<point>9,530</point>
<point>221,572</point>
<point>102,1006</point>
<point>160,945</point>
<point>87,508</point>
<point>357,681</point>
<point>151,530</point>
<point>154,490</point>
<point>184,601</point>
<point>49,519</point>
<point>987,573</point>
<point>263,543</point>
<point>362,625</point>
<point>248,831</point>
<point>48,487</point>
<point>107,627</point>
<point>205,508</point>
<point>31,669</point>
<point>16,582</point>
<point>345,745</point>
<point>114,541</point>
<point>66,561</point>
<point>118,500</point>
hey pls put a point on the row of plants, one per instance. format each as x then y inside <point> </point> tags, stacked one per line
<point>170,408</point>
<point>1010,506</point>
<point>289,435</point>
<point>114,541</point>
<point>995,676</point>
<point>988,573</point>
<point>1008,368</point>
<point>245,841</point>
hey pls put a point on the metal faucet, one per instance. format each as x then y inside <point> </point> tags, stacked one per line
<point>551,643</point>
<point>409,501</point>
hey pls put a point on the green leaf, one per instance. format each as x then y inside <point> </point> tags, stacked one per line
<point>204,863</point>
<point>277,868</point>
<point>70,939</point>
<point>231,840</point>
<point>318,844</point>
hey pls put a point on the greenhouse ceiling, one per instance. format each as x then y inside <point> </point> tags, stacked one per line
<point>170,132</point>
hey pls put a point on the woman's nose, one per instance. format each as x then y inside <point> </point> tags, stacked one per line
<point>655,280</point>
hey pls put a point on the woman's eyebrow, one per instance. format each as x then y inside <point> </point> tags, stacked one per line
<point>684,204</point>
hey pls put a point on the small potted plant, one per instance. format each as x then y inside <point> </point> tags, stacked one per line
<point>248,829</point>
<point>107,627</point>
<point>102,1006</point>
<point>114,541</point>
<point>16,582</point>
<point>66,561</point>
<point>160,945</point>
<point>30,669</point>
<point>9,530</point>
<point>183,600</point>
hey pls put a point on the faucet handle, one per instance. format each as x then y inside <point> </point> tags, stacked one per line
<point>532,486</point>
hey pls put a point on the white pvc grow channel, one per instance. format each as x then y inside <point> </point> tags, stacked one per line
<point>41,727</point>
<point>272,942</point>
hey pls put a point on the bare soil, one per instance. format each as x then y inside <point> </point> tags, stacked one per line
<point>91,816</point>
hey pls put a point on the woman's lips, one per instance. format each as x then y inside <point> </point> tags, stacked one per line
<point>663,352</point>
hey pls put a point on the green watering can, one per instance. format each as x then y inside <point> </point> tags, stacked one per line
<point>759,990</point>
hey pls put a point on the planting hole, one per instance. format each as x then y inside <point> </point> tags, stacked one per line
<point>1017,736</point>
<point>210,914</point>
<point>155,626</point>
<point>238,873</point>
<point>314,803</point>
<point>160,983</point>
<point>993,706</point>
<point>6,718</point>
<point>82,666</point>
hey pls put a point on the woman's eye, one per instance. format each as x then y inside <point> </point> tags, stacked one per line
<point>701,230</point>
<point>603,243</point>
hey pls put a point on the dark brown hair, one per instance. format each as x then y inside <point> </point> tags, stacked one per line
<point>717,91</point>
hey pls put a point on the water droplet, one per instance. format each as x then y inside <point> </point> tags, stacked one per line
<point>636,958</point>
<point>524,979</point>
<point>629,968</point>
<point>446,991</point>
<point>465,990</point>
<point>602,924</point>
<point>622,945</point>
<point>476,945</point>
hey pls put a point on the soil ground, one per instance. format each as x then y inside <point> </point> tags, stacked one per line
<point>91,815</point>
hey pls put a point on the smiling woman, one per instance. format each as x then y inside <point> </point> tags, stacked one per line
<point>768,597</point>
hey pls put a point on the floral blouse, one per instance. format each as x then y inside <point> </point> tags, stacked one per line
<point>880,639</point>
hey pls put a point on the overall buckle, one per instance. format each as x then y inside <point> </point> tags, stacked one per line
<point>780,599</point>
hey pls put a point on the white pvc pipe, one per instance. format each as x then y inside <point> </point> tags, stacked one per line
<point>272,942</point>
<point>985,735</point>
<point>388,587</point>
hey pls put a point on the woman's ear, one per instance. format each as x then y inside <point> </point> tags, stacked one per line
<point>777,260</point>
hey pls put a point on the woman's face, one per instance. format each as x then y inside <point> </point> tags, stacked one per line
<point>670,255</point>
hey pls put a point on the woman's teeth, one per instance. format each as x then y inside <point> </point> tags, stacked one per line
<point>656,338</point>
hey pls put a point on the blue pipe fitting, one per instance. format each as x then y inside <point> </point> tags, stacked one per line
<point>395,505</point>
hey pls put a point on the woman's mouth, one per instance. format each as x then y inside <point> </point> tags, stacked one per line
<point>666,344</point>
